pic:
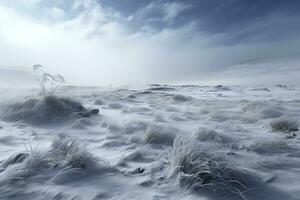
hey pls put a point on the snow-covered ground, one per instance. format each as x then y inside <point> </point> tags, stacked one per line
<point>162,142</point>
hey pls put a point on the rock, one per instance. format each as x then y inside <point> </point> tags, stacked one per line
<point>94,111</point>
<point>132,96</point>
<point>181,98</point>
<point>88,113</point>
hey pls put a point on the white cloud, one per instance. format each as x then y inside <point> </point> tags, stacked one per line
<point>87,49</point>
<point>109,57</point>
<point>57,13</point>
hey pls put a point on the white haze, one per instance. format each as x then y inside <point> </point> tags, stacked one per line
<point>96,48</point>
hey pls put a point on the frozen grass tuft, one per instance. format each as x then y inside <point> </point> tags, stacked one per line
<point>196,168</point>
<point>284,125</point>
<point>73,154</point>
<point>271,147</point>
<point>205,134</point>
<point>263,110</point>
<point>61,162</point>
<point>48,82</point>
<point>157,134</point>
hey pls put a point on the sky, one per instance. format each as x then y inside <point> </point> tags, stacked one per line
<point>136,42</point>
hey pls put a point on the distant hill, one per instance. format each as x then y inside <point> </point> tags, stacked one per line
<point>16,78</point>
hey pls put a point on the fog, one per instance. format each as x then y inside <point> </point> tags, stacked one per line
<point>97,43</point>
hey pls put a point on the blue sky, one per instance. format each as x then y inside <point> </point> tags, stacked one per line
<point>133,42</point>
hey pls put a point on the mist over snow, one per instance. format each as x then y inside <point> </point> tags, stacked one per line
<point>130,42</point>
<point>184,142</point>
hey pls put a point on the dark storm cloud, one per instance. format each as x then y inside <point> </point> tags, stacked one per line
<point>236,21</point>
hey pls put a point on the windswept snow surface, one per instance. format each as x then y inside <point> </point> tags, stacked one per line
<point>162,142</point>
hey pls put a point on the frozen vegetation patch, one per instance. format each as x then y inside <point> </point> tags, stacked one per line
<point>219,116</point>
<point>197,168</point>
<point>135,126</point>
<point>221,87</point>
<point>160,88</point>
<point>158,134</point>
<point>115,106</point>
<point>263,110</point>
<point>271,147</point>
<point>50,109</point>
<point>181,98</point>
<point>64,161</point>
<point>284,125</point>
<point>99,102</point>
<point>262,89</point>
<point>72,154</point>
<point>205,134</point>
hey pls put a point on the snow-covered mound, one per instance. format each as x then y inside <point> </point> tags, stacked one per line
<point>48,110</point>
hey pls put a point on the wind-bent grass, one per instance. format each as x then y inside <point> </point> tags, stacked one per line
<point>196,168</point>
<point>156,134</point>
<point>48,82</point>
<point>284,125</point>
<point>64,159</point>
